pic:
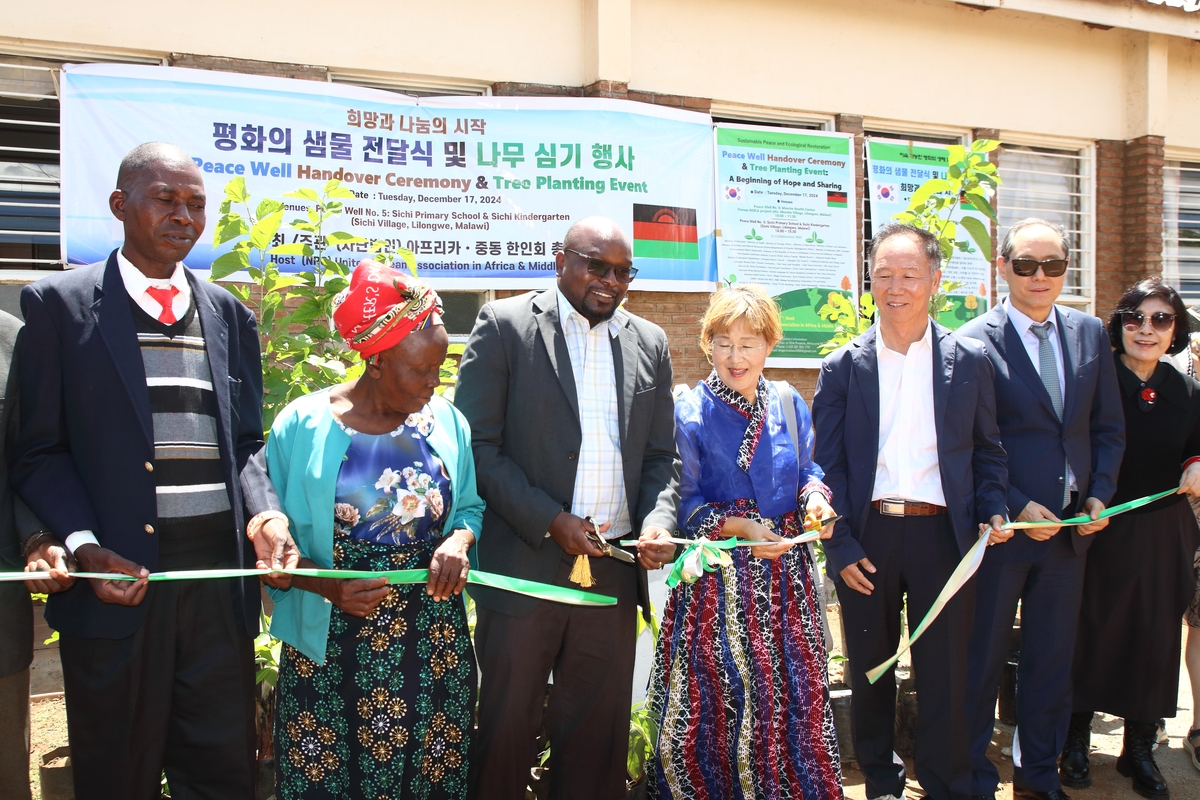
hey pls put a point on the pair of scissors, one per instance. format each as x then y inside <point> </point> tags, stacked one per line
<point>606,548</point>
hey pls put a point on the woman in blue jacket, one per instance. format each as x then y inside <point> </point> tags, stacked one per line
<point>376,685</point>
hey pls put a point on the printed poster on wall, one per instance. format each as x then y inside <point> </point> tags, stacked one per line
<point>481,189</point>
<point>897,169</point>
<point>786,220</point>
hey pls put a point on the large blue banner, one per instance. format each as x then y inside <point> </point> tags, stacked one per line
<point>481,189</point>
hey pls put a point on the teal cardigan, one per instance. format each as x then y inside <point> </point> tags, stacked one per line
<point>304,455</point>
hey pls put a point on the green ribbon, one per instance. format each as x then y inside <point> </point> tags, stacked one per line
<point>707,555</point>
<point>974,557</point>
<point>541,591</point>
<point>1084,519</point>
<point>700,556</point>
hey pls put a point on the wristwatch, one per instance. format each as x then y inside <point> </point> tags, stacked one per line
<point>35,541</point>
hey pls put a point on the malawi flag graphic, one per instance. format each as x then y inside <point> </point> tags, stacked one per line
<point>836,199</point>
<point>664,232</point>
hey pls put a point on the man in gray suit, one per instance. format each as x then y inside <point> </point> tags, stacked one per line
<point>569,400</point>
<point>22,542</point>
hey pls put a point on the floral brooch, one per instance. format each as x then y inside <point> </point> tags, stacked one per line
<point>1147,396</point>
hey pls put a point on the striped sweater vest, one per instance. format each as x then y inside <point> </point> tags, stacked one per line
<point>195,520</point>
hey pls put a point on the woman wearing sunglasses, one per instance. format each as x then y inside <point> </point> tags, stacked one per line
<point>1139,577</point>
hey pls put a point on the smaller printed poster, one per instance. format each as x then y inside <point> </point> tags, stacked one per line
<point>896,170</point>
<point>786,220</point>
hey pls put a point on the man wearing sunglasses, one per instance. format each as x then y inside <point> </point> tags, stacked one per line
<point>573,430</point>
<point>1061,421</point>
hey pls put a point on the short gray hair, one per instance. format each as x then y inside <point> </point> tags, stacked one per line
<point>146,155</point>
<point>927,241</point>
<point>1006,244</point>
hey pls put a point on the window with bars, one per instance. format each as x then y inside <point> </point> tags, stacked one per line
<point>29,166</point>
<point>1055,185</point>
<point>1181,228</point>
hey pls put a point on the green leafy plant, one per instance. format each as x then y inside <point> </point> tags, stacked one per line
<point>940,302</point>
<point>643,736</point>
<point>300,350</point>
<point>268,652</point>
<point>849,322</point>
<point>753,235</point>
<point>970,178</point>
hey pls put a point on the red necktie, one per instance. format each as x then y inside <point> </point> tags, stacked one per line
<point>164,297</point>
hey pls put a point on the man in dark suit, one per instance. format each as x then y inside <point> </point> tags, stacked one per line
<point>906,433</point>
<point>22,541</point>
<point>569,400</point>
<point>141,408</point>
<point>1061,421</point>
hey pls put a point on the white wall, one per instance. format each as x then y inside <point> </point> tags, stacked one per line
<point>925,61</point>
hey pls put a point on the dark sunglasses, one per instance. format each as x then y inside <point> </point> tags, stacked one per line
<point>599,267</point>
<point>1161,321</point>
<point>1028,267</point>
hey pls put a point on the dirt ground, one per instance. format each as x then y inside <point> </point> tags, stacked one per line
<point>48,730</point>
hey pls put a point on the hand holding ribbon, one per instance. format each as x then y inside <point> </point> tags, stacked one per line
<point>974,557</point>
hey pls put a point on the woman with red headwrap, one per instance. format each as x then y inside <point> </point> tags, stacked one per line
<point>376,686</point>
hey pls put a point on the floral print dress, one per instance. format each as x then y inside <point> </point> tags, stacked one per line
<point>389,713</point>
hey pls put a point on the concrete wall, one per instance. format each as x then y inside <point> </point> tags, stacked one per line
<point>921,61</point>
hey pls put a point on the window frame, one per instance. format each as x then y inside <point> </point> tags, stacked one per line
<point>1176,159</point>
<point>1085,255</point>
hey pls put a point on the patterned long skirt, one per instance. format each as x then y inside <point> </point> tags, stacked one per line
<point>389,713</point>
<point>740,685</point>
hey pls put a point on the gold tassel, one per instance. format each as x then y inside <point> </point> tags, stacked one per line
<point>581,573</point>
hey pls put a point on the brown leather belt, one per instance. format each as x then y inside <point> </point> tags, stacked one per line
<point>907,508</point>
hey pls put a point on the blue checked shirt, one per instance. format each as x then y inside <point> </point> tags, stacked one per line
<point>600,479</point>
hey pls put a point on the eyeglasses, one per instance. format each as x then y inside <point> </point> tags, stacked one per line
<point>1161,321</point>
<point>599,267</point>
<point>1028,267</point>
<point>726,349</point>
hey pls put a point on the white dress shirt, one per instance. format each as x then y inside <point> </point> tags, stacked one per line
<point>600,477</point>
<point>907,464</point>
<point>136,284</point>
<point>1023,324</point>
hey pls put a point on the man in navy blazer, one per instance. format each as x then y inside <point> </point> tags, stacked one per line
<point>137,464</point>
<point>906,433</point>
<point>1061,421</point>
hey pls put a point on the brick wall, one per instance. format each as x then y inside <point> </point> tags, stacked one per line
<point>1143,207</point>
<point>1110,251</point>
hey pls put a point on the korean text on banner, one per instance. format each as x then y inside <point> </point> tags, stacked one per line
<point>481,189</point>
<point>897,169</point>
<point>786,219</point>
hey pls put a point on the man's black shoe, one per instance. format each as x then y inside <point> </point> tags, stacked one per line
<point>1029,794</point>
<point>1137,761</point>
<point>1074,769</point>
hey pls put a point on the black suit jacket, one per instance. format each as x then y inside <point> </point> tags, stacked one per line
<point>1091,434</point>
<point>516,388</point>
<point>86,447</point>
<point>17,522</point>
<point>970,458</point>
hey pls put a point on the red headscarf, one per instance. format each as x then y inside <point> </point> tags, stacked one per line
<point>381,306</point>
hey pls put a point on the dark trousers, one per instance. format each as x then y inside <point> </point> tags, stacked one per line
<point>14,735</point>
<point>590,651</point>
<point>913,555</point>
<point>1049,590</point>
<point>177,696</point>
